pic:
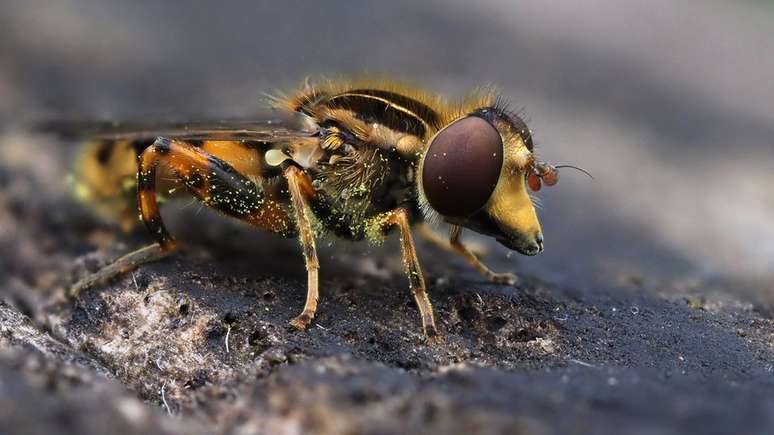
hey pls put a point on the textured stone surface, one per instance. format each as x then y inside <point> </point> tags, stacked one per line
<point>203,336</point>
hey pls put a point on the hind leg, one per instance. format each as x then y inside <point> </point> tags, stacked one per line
<point>213,181</point>
<point>119,267</point>
<point>210,179</point>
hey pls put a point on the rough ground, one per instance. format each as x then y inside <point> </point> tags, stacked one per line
<point>203,337</point>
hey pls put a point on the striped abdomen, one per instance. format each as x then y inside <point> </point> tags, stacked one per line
<point>105,173</point>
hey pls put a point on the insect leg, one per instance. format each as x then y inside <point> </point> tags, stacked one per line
<point>119,267</point>
<point>427,233</point>
<point>149,213</point>
<point>399,218</point>
<point>300,191</point>
<point>497,278</point>
<point>210,179</point>
<point>213,181</point>
<point>433,237</point>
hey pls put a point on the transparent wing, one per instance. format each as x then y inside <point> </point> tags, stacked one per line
<point>266,128</point>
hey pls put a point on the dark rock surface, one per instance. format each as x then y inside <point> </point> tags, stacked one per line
<point>203,336</point>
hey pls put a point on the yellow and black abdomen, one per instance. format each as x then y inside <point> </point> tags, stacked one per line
<point>105,178</point>
<point>105,173</point>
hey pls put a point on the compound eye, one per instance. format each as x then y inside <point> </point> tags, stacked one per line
<point>461,167</point>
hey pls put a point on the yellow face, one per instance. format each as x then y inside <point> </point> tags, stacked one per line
<point>513,214</point>
<point>474,175</point>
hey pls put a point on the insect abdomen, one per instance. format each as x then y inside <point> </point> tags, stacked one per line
<point>105,178</point>
<point>105,173</point>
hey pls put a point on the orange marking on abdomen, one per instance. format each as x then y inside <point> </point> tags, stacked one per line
<point>245,160</point>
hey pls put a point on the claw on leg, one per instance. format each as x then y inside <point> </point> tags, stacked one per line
<point>432,336</point>
<point>506,278</point>
<point>302,321</point>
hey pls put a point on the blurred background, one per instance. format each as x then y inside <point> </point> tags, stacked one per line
<point>669,103</point>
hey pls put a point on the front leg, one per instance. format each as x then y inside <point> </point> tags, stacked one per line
<point>399,217</point>
<point>429,234</point>
<point>300,192</point>
<point>497,278</point>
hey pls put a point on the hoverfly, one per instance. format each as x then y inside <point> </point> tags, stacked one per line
<point>352,161</point>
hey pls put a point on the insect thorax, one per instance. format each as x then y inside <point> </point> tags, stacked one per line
<point>353,188</point>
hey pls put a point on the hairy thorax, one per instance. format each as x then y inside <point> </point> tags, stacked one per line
<point>352,186</point>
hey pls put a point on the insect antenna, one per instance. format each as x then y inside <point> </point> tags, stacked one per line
<point>576,168</point>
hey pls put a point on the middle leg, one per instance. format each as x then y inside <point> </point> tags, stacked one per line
<point>301,191</point>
